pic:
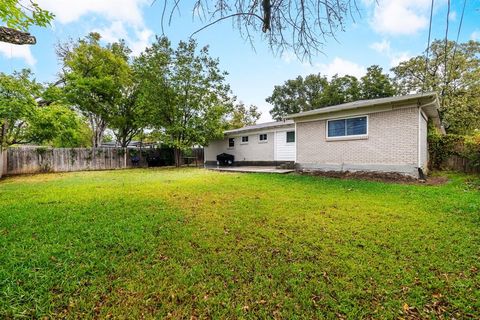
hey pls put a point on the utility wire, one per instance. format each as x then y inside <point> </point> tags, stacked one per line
<point>459,29</point>
<point>446,53</point>
<point>428,47</point>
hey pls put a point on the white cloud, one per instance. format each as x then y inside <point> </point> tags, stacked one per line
<point>137,42</point>
<point>337,66</point>
<point>128,11</point>
<point>452,16</point>
<point>289,56</point>
<point>399,17</point>
<point>125,18</point>
<point>381,47</point>
<point>475,35</point>
<point>396,58</point>
<point>385,49</point>
<point>17,52</point>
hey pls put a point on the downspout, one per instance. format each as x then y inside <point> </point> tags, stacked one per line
<point>421,174</point>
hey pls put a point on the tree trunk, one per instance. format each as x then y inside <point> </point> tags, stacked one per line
<point>178,156</point>
<point>16,37</point>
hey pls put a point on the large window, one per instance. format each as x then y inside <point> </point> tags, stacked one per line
<point>245,139</point>
<point>347,127</point>
<point>263,137</point>
<point>231,142</point>
<point>290,136</point>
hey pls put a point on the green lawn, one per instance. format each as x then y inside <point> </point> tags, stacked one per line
<point>194,243</point>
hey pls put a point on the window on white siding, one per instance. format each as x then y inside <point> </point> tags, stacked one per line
<point>231,142</point>
<point>290,136</point>
<point>245,139</point>
<point>263,137</point>
<point>347,127</point>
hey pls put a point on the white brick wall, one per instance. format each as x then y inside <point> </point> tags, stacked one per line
<point>392,142</point>
<point>254,150</point>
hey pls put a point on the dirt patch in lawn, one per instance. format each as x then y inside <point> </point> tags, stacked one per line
<point>390,177</point>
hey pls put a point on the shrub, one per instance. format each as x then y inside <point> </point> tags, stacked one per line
<point>472,149</point>
<point>441,147</point>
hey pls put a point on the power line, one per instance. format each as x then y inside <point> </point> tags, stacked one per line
<point>459,29</point>
<point>428,46</point>
<point>446,53</point>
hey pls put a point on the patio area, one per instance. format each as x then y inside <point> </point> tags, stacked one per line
<point>252,169</point>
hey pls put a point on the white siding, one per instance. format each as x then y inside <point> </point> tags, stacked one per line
<point>284,151</point>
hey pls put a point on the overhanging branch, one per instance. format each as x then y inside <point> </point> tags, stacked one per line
<point>16,37</point>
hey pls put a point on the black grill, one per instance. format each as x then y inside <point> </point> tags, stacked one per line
<point>225,159</point>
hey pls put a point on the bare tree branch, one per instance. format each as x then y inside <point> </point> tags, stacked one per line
<point>302,26</point>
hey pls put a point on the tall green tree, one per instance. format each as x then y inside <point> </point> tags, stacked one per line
<point>242,115</point>
<point>453,71</point>
<point>17,17</point>
<point>18,106</point>
<point>298,95</point>
<point>316,91</point>
<point>94,78</point>
<point>341,90</point>
<point>128,118</point>
<point>376,84</point>
<point>186,92</point>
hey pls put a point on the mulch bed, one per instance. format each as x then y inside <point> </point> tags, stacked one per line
<point>390,177</point>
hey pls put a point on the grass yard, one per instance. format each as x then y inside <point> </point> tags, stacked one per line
<point>191,243</point>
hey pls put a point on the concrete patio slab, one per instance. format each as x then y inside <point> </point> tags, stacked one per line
<point>252,169</point>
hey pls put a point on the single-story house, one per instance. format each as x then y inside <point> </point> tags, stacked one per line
<point>271,143</point>
<point>380,135</point>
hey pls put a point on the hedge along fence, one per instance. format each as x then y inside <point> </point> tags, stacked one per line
<point>455,152</point>
<point>24,160</point>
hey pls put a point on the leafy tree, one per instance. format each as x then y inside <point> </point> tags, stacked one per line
<point>94,79</point>
<point>298,25</point>
<point>375,84</point>
<point>128,118</point>
<point>242,116</point>
<point>341,90</point>
<point>298,95</point>
<point>17,106</point>
<point>316,91</point>
<point>58,126</point>
<point>185,91</point>
<point>453,71</point>
<point>18,16</point>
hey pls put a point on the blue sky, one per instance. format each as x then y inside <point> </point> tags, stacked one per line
<point>387,32</point>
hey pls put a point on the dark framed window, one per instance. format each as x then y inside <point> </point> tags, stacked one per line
<point>347,127</point>
<point>231,142</point>
<point>245,139</point>
<point>263,137</point>
<point>290,136</point>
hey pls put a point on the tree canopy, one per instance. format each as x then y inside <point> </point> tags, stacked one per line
<point>95,77</point>
<point>454,73</point>
<point>186,92</point>
<point>317,91</point>
<point>242,116</point>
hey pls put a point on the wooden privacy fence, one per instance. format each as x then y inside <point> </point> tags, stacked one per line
<point>25,160</point>
<point>458,163</point>
<point>38,159</point>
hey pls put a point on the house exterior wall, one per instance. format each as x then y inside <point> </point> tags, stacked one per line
<point>391,145</point>
<point>253,152</point>
<point>423,142</point>
<point>284,151</point>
